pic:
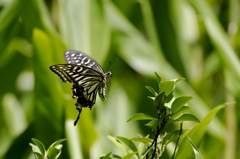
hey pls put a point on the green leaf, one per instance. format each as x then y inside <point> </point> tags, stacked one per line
<point>140,116</point>
<point>118,144</point>
<point>159,101</point>
<point>195,150</point>
<point>177,80</point>
<point>128,142</point>
<point>181,111</point>
<point>54,153</point>
<point>167,87</point>
<point>144,140</point>
<point>35,148</point>
<point>116,156</point>
<point>141,149</point>
<point>153,124</point>
<point>57,143</point>
<point>196,134</point>
<point>40,146</point>
<point>38,155</point>
<point>151,90</point>
<point>179,102</point>
<point>107,156</point>
<point>187,117</point>
<point>152,98</point>
<point>158,79</point>
<point>128,156</point>
<point>169,100</point>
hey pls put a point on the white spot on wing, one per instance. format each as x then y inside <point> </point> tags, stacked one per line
<point>88,61</point>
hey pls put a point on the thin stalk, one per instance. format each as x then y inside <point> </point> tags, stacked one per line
<point>180,132</point>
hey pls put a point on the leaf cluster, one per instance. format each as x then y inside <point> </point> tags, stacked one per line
<point>53,152</point>
<point>169,109</point>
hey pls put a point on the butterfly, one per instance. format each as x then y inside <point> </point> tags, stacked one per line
<point>87,76</point>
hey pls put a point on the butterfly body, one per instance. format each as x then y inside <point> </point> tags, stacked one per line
<point>87,76</point>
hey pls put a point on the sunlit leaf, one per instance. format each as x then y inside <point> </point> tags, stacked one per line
<point>118,144</point>
<point>153,124</point>
<point>36,150</point>
<point>57,142</point>
<point>107,156</point>
<point>128,156</point>
<point>54,153</point>
<point>158,78</point>
<point>144,140</point>
<point>179,102</point>
<point>140,116</point>
<point>115,156</point>
<point>178,79</point>
<point>40,146</point>
<point>181,111</point>
<point>195,150</point>
<point>38,155</point>
<point>151,90</point>
<point>128,142</point>
<point>167,87</point>
<point>196,135</point>
<point>187,117</point>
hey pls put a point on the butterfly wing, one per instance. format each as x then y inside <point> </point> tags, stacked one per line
<point>86,81</point>
<point>81,59</point>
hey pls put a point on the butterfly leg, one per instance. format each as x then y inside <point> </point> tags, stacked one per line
<point>79,108</point>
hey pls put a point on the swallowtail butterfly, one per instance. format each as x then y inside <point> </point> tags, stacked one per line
<point>87,76</point>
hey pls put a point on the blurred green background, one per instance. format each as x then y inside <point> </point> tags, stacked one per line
<point>195,39</point>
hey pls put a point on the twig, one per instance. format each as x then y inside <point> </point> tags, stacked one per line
<point>159,129</point>
<point>180,133</point>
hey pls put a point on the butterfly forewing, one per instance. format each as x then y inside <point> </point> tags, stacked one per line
<point>76,74</point>
<point>81,59</point>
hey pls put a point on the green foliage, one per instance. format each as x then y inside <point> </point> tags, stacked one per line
<point>198,40</point>
<point>166,114</point>
<point>155,146</point>
<point>196,134</point>
<point>53,152</point>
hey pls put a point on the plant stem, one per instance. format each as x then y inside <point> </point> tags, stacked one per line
<point>180,132</point>
<point>159,129</point>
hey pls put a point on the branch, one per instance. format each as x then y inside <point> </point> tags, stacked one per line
<point>180,133</point>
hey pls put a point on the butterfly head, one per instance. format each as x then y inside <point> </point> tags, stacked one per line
<point>107,77</point>
<point>109,74</point>
<point>105,87</point>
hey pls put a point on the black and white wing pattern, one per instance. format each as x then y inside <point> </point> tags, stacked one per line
<point>78,58</point>
<point>87,77</point>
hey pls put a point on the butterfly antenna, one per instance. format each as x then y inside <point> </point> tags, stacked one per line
<point>110,66</point>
